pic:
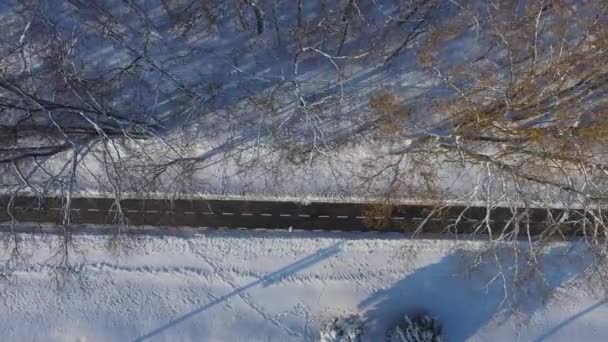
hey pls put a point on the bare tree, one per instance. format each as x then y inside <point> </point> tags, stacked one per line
<point>517,120</point>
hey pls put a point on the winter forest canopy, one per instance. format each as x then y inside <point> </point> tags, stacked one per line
<point>488,101</point>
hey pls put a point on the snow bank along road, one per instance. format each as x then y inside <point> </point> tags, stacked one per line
<point>261,286</point>
<point>274,215</point>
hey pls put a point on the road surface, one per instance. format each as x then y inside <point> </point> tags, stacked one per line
<point>276,215</point>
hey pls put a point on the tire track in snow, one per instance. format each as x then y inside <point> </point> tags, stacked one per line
<point>189,271</point>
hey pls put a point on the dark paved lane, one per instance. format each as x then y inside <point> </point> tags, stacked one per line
<point>273,215</point>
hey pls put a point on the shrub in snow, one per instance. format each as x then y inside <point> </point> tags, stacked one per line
<point>342,329</point>
<point>418,329</point>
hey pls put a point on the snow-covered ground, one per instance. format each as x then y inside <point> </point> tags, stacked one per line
<point>281,286</point>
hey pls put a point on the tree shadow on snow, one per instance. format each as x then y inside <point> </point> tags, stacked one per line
<point>548,334</point>
<point>265,281</point>
<point>465,299</point>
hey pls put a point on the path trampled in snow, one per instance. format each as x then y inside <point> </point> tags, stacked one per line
<point>280,286</point>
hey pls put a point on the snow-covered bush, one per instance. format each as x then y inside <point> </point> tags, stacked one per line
<point>418,329</point>
<point>342,329</point>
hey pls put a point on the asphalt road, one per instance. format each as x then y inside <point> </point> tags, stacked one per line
<point>275,215</point>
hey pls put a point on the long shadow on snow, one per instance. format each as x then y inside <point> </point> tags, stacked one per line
<point>461,302</point>
<point>265,281</point>
<point>546,336</point>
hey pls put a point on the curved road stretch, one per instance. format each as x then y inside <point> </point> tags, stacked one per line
<point>281,215</point>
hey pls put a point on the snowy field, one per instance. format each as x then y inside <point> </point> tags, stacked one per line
<point>281,286</point>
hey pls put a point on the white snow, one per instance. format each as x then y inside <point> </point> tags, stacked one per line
<point>281,286</point>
